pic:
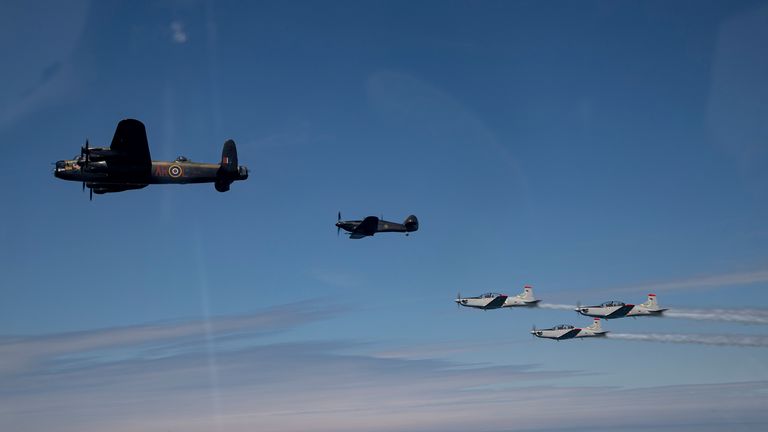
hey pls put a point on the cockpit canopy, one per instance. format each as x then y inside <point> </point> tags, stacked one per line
<point>612,303</point>
<point>182,159</point>
<point>563,327</point>
<point>490,295</point>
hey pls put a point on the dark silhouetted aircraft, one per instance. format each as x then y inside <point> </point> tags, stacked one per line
<point>372,225</point>
<point>126,165</point>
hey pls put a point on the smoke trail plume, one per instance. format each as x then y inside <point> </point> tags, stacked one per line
<point>557,306</point>
<point>750,316</point>
<point>714,339</point>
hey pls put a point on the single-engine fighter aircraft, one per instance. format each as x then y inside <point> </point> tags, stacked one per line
<point>372,225</point>
<point>617,309</point>
<point>565,331</point>
<point>126,165</point>
<point>493,300</point>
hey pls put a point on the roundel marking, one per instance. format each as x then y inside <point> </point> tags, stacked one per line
<point>175,171</point>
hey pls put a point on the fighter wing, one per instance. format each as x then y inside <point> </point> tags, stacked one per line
<point>131,146</point>
<point>367,227</point>
<point>497,302</point>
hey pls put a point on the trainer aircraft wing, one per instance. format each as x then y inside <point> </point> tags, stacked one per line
<point>367,227</point>
<point>620,312</point>
<point>131,145</point>
<point>497,302</point>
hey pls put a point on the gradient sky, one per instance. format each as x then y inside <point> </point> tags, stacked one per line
<point>595,150</point>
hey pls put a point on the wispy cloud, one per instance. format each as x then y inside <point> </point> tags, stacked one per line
<point>27,353</point>
<point>156,378</point>
<point>178,34</point>
<point>700,282</point>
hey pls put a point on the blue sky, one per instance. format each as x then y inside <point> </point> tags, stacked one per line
<point>595,150</point>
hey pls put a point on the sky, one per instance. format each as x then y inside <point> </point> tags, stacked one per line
<point>594,150</point>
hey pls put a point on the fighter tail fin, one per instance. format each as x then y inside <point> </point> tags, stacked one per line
<point>411,223</point>
<point>527,293</point>
<point>651,303</point>
<point>595,325</point>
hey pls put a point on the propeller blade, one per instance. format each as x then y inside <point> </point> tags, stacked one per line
<point>578,307</point>
<point>338,230</point>
<point>83,186</point>
<point>338,217</point>
<point>91,194</point>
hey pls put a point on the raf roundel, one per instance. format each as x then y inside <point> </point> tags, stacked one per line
<point>175,171</point>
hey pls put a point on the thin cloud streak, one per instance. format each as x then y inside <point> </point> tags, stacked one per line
<point>698,283</point>
<point>137,379</point>
<point>22,352</point>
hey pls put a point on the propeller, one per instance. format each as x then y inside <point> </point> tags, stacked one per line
<point>338,219</point>
<point>533,330</point>
<point>91,194</point>
<point>458,300</point>
<point>578,307</point>
<point>85,152</point>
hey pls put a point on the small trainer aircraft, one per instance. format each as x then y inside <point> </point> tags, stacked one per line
<point>495,301</point>
<point>617,309</point>
<point>565,331</point>
<point>372,225</point>
<point>126,164</point>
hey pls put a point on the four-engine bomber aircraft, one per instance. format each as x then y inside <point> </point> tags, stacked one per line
<point>126,164</point>
<point>617,309</point>
<point>565,331</point>
<point>372,225</point>
<point>496,301</point>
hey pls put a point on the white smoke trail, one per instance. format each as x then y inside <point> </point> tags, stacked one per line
<point>714,339</point>
<point>557,306</point>
<point>749,316</point>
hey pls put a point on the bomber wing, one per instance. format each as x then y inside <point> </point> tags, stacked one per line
<point>131,145</point>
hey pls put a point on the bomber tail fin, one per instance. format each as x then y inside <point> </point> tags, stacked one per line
<point>229,170</point>
<point>229,156</point>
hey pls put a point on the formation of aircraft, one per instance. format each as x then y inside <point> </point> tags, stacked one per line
<point>495,301</point>
<point>607,310</point>
<point>371,225</point>
<point>617,309</point>
<point>566,331</point>
<point>126,164</point>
